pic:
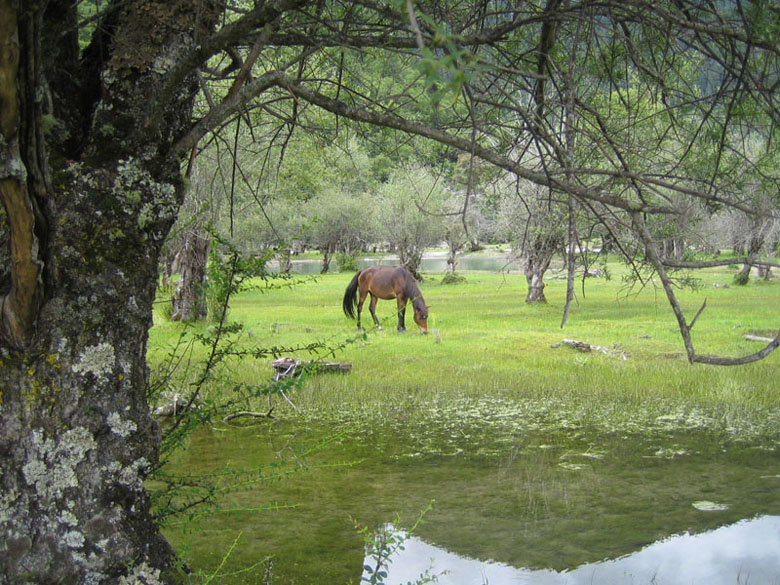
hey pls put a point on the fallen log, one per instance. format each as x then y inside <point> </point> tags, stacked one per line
<point>588,348</point>
<point>245,413</point>
<point>287,367</point>
<point>585,347</point>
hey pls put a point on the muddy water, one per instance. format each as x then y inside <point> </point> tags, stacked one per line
<point>546,506</point>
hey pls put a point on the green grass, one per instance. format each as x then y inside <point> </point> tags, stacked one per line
<point>487,344</point>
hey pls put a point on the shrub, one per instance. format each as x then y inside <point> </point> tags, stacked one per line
<point>453,278</point>
<point>346,262</point>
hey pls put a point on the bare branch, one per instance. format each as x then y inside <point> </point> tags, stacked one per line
<point>714,263</point>
<point>699,312</point>
<point>748,359</point>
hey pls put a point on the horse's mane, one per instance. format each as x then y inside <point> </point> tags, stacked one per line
<point>411,290</point>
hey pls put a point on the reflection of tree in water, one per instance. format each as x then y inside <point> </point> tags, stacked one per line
<point>719,557</point>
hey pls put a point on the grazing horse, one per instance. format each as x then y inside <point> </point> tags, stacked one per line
<point>386,282</point>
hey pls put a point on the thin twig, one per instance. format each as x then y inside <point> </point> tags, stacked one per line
<point>701,310</point>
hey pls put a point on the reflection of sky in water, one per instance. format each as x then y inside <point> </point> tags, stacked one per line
<point>744,553</point>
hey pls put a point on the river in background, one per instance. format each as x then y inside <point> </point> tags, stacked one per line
<point>430,263</point>
<point>508,504</point>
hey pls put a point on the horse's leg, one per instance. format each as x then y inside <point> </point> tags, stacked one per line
<point>372,308</point>
<point>360,306</point>
<point>401,313</point>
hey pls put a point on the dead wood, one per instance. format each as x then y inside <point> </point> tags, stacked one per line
<point>589,348</point>
<point>288,367</point>
<point>251,414</point>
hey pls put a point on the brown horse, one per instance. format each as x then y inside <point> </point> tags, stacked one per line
<point>386,282</point>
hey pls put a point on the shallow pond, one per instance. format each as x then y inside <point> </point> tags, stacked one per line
<point>536,505</point>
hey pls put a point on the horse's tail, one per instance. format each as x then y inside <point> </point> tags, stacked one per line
<point>351,297</point>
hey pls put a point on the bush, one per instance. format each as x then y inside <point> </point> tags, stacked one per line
<point>346,262</point>
<point>453,278</point>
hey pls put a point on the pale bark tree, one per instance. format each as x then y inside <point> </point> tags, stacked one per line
<point>189,298</point>
<point>752,234</point>
<point>536,224</point>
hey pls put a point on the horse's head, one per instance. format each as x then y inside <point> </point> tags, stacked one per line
<point>421,316</point>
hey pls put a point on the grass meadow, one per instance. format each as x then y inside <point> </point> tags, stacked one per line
<point>487,346</point>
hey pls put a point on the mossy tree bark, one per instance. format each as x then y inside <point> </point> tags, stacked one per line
<point>90,185</point>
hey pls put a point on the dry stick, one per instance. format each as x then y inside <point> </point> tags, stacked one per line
<point>701,310</point>
<point>241,413</point>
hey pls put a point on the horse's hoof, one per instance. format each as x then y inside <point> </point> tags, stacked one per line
<point>380,328</point>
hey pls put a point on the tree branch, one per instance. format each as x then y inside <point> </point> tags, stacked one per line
<point>748,359</point>
<point>389,120</point>
<point>671,263</point>
<point>685,329</point>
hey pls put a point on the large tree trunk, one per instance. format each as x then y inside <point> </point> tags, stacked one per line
<point>89,206</point>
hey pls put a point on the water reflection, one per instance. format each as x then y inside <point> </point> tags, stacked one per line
<point>539,498</point>
<point>746,552</point>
